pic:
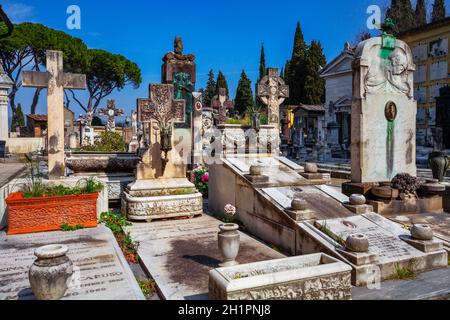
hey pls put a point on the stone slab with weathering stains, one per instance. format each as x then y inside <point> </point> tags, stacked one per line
<point>179,254</point>
<point>101,271</point>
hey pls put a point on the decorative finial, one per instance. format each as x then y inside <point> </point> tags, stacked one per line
<point>178,45</point>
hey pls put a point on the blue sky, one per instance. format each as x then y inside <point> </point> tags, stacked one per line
<point>225,35</point>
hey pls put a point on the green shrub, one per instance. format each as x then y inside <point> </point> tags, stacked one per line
<point>114,221</point>
<point>108,142</point>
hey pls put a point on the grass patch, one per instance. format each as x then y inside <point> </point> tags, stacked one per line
<point>148,288</point>
<point>404,273</point>
<point>68,228</point>
<point>116,223</point>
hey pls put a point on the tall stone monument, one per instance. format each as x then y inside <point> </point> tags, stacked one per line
<point>162,189</point>
<point>55,80</point>
<point>383,111</point>
<point>134,143</point>
<point>5,86</point>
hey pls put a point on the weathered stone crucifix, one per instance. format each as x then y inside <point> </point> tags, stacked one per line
<point>273,91</point>
<point>111,112</point>
<point>55,80</point>
<point>222,104</point>
<point>163,109</point>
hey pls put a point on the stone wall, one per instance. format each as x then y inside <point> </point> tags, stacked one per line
<point>24,145</point>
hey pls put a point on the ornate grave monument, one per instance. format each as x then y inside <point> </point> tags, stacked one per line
<point>55,80</point>
<point>383,111</point>
<point>134,143</point>
<point>273,91</point>
<point>162,189</point>
<point>111,112</point>
<point>384,130</point>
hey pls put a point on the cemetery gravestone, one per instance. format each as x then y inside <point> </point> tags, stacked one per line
<point>384,111</point>
<point>221,105</point>
<point>55,80</point>
<point>162,189</point>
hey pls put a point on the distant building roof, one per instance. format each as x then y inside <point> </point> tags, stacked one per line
<point>306,107</point>
<point>347,52</point>
<point>38,117</point>
<point>426,27</point>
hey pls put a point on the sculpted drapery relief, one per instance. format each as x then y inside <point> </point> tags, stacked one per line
<point>391,75</point>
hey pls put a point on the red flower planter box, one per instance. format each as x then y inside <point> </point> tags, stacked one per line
<point>28,215</point>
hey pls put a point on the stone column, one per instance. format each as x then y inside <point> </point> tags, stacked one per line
<point>197,125</point>
<point>5,85</point>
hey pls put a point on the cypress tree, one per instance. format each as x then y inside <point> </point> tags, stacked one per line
<point>221,82</point>
<point>421,13</point>
<point>403,15</point>
<point>244,95</point>
<point>210,90</point>
<point>438,10</point>
<point>20,118</point>
<point>282,73</point>
<point>262,64</point>
<point>314,89</point>
<point>297,67</point>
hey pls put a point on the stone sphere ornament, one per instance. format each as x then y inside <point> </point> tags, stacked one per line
<point>422,232</point>
<point>50,274</point>
<point>357,200</point>
<point>311,168</point>
<point>299,205</point>
<point>255,170</point>
<point>357,243</point>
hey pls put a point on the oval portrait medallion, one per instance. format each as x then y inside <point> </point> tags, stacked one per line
<point>390,111</point>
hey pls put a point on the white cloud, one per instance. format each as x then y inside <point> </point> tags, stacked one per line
<point>19,12</point>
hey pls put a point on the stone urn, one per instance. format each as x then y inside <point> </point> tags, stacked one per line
<point>229,242</point>
<point>357,243</point>
<point>439,163</point>
<point>311,168</point>
<point>50,274</point>
<point>422,232</point>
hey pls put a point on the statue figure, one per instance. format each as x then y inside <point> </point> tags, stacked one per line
<point>177,54</point>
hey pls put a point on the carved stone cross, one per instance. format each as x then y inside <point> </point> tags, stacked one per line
<point>111,112</point>
<point>161,107</point>
<point>273,91</point>
<point>222,104</point>
<point>55,80</point>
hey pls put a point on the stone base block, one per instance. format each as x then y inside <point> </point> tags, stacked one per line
<point>424,246</point>
<point>359,209</point>
<point>301,215</point>
<point>257,179</point>
<point>315,176</point>
<point>410,206</point>
<point>359,259</point>
<point>147,205</point>
<point>349,188</point>
<point>309,277</point>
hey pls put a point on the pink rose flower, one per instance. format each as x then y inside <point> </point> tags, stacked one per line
<point>205,177</point>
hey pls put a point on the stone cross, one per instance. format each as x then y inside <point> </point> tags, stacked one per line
<point>111,112</point>
<point>161,107</point>
<point>273,91</point>
<point>55,80</point>
<point>134,143</point>
<point>5,85</point>
<point>222,104</point>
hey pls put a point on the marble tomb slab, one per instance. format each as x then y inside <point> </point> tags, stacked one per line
<point>383,242</point>
<point>180,253</point>
<point>324,206</point>
<point>101,271</point>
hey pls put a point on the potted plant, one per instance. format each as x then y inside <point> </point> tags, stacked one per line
<point>229,239</point>
<point>40,207</point>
